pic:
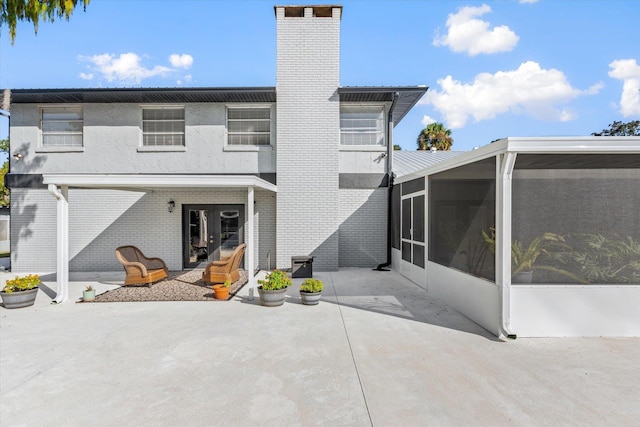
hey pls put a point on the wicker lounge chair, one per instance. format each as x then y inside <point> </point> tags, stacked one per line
<point>226,268</point>
<point>140,269</point>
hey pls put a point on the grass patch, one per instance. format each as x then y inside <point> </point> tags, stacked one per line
<point>5,254</point>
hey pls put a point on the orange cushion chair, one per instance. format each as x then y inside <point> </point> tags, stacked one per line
<point>226,268</point>
<point>140,269</point>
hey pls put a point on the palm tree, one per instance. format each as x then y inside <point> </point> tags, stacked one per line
<point>435,136</point>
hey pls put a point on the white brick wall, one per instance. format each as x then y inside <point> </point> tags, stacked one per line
<point>33,226</point>
<point>308,71</point>
<point>363,228</point>
<point>101,220</point>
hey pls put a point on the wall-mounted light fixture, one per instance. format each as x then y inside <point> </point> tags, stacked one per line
<point>18,156</point>
<point>171,205</point>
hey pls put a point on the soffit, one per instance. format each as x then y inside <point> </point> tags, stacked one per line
<point>408,96</point>
<point>143,95</point>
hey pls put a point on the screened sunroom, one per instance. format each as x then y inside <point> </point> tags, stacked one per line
<point>527,236</point>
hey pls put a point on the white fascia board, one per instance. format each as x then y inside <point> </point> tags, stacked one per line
<point>536,145</point>
<point>157,181</point>
<point>575,145</point>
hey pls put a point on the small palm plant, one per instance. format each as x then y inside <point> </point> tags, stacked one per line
<point>435,136</point>
<point>525,258</point>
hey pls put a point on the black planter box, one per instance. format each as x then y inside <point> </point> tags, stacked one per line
<point>301,266</point>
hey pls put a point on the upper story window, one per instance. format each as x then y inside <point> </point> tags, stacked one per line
<point>362,125</point>
<point>61,127</point>
<point>162,126</point>
<point>249,126</point>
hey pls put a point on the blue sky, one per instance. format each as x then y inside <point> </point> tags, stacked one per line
<point>494,68</point>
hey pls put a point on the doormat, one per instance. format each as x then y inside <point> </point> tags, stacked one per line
<point>179,286</point>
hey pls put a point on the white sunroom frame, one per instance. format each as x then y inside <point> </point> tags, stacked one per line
<point>506,151</point>
<point>59,184</point>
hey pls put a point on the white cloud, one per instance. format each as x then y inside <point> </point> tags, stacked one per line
<point>185,79</point>
<point>468,34</point>
<point>126,68</point>
<point>86,76</point>
<point>628,71</point>
<point>528,90</point>
<point>426,120</point>
<point>181,61</point>
<point>528,1</point>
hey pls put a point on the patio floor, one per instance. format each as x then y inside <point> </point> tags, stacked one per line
<point>378,350</point>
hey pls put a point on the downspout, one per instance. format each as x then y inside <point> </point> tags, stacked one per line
<point>503,240</point>
<point>62,270</point>
<point>381,267</point>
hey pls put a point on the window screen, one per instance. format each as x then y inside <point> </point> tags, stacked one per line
<point>461,207</point>
<point>61,127</point>
<point>249,126</point>
<point>163,127</point>
<point>362,125</point>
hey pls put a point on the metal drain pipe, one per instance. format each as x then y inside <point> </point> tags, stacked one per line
<point>381,267</point>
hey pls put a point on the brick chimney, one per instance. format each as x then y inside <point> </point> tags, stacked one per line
<point>308,133</point>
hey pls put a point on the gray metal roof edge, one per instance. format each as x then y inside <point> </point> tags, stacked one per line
<point>370,89</point>
<point>148,89</point>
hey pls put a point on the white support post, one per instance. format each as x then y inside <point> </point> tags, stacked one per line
<point>250,246</point>
<point>62,239</point>
<point>504,169</point>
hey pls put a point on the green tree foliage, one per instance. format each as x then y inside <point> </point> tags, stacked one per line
<point>621,129</point>
<point>397,147</point>
<point>4,191</point>
<point>437,136</point>
<point>12,11</point>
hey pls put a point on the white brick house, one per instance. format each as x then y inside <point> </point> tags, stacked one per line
<point>187,173</point>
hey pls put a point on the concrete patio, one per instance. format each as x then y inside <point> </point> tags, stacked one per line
<point>376,351</point>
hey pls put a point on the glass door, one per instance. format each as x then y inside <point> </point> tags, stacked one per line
<point>210,232</point>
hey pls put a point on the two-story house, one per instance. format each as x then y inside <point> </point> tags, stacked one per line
<point>187,174</point>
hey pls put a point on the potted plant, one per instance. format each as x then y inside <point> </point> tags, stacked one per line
<point>222,290</point>
<point>20,291</point>
<point>89,294</point>
<point>311,291</point>
<point>273,288</point>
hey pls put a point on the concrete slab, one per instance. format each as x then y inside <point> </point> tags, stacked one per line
<point>376,351</point>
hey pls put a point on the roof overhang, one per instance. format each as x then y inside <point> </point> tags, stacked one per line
<point>144,95</point>
<point>130,181</point>
<point>407,97</point>
<point>591,145</point>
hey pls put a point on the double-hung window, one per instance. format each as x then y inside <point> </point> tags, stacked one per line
<point>163,126</point>
<point>61,127</point>
<point>362,125</point>
<point>249,126</point>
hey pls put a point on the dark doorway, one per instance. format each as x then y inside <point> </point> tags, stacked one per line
<point>210,232</point>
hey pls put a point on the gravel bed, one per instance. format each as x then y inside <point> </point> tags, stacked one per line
<point>179,286</point>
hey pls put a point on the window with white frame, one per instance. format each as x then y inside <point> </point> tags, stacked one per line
<point>362,125</point>
<point>61,127</point>
<point>162,126</point>
<point>249,126</point>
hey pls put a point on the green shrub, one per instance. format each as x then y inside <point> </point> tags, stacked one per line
<point>311,286</point>
<point>20,284</point>
<point>275,280</point>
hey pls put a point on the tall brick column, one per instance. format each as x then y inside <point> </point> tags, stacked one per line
<point>308,134</point>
